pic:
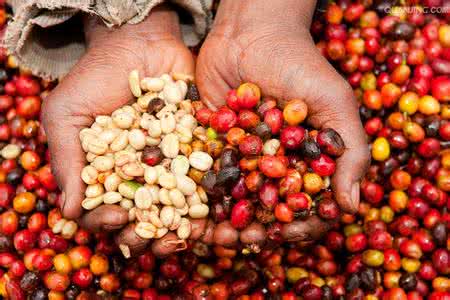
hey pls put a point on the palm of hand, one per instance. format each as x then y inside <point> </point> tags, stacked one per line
<point>287,67</point>
<point>98,85</point>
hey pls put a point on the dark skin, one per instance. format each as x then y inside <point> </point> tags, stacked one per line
<point>260,41</point>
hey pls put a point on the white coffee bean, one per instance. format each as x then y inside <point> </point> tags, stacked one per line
<point>182,86</point>
<point>170,145</point>
<point>178,115</point>
<point>188,121</point>
<point>186,184</point>
<point>85,132</point>
<point>271,147</point>
<point>136,139</point>
<point>154,192</point>
<point>184,210</point>
<point>160,232</point>
<point>94,190</point>
<point>201,160</point>
<point>103,120</point>
<point>90,157</point>
<point>145,230</point>
<point>123,120</point>
<point>57,228</point>
<point>168,123</point>
<point>133,81</point>
<point>164,198</point>
<point>152,84</point>
<point>97,146</point>
<point>155,220</point>
<point>171,93</point>
<point>184,230</point>
<point>143,102</point>
<point>177,198</point>
<point>184,134</point>
<point>167,215</point>
<point>180,165</point>
<point>167,180</point>
<point>122,175</point>
<point>69,229</point>
<point>123,157</point>
<point>160,170</point>
<point>103,163</point>
<point>89,175</point>
<point>108,135</point>
<point>133,169</point>
<point>132,214</point>
<point>202,194</point>
<point>120,142</point>
<point>127,189</point>
<point>200,133</point>
<point>150,175</point>
<point>154,128</point>
<point>186,106</point>
<point>97,128</point>
<point>112,197</point>
<point>169,108</point>
<point>10,151</point>
<point>127,204</point>
<point>142,215</point>
<point>91,203</point>
<point>112,182</point>
<point>198,211</point>
<point>143,198</point>
<point>176,222</point>
<point>193,199</point>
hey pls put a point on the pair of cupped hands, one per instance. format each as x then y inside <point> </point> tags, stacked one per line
<point>264,42</point>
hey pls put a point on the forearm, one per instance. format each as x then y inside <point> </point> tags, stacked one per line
<point>251,13</point>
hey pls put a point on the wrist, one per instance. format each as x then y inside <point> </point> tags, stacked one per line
<point>162,23</point>
<point>249,14</point>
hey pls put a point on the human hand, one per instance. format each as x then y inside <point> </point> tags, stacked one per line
<point>98,85</point>
<point>268,43</point>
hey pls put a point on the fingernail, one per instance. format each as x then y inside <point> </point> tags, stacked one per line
<point>355,195</point>
<point>112,227</point>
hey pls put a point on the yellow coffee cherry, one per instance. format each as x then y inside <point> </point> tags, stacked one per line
<point>428,105</point>
<point>381,149</point>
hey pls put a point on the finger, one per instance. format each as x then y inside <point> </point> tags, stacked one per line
<point>213,84</point>
<point>72,105</point>
<point>183,64</point>
<point>167,245</point>
<point>336,107</point>
<point>67,158</point>
<point>311,229</point>
<point>105,217</point>
<point>350,170</point>
<point>130,243</point>
<point>352,165</point>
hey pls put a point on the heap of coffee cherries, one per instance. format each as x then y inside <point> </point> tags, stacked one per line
<point>395,247</point>
<point>272,170</point>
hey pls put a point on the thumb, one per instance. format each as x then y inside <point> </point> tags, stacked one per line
<point>352,165</point>
<point>68,109</point>
<point>338,110</point>
<point>67,157</point>
<point>213,82</point>
<point>335,107</point>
